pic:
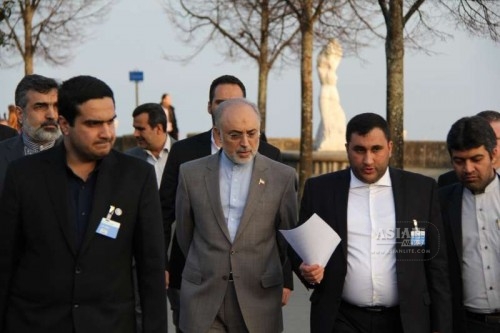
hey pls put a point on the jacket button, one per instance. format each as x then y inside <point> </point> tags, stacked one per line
<point>78,270</point>
<point>233,252</point>
<point>76,306</point>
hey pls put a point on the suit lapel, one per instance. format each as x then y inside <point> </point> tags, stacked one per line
<point>341,198</point>
<point>213,189</point>
<point>255,192</point>
<point>454,214</point>
<point>400,204</point>
<point>106,177</point>
<point>55,171</point>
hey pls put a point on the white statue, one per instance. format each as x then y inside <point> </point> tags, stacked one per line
<point>331,131</point>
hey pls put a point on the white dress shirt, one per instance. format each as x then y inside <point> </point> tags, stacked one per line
<point>481,249</point>
<point>234,182</point>
<point>160,162</point>
<point>371,259</point>
<point>213,146</point>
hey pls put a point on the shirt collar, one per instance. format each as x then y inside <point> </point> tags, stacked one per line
<point>384,181</point>
<point>32,147</point>
<point>213,147</point>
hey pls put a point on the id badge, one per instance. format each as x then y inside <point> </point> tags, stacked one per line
<point>108,228</point>
<point>418,238</point>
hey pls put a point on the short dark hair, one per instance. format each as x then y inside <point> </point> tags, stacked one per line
<point>489,115</point>
<point>155,112</point>
<point>471,132</point>
<point>34,82</point>
<point>78,90</point>
<point>225,79</point>
<point>364,123</point>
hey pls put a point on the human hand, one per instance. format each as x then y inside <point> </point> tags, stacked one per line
<point>313,274</point>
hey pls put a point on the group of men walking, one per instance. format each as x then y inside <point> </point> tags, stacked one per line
<point>86,229</point>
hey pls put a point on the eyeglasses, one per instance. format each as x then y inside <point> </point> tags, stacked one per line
<point>237,136</point>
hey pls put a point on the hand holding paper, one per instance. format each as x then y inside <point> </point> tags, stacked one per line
<point>314,241</point>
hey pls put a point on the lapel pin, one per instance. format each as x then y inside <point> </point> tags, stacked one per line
<point>261,181</point>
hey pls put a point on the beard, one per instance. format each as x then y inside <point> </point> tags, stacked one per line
<point>43,134</point>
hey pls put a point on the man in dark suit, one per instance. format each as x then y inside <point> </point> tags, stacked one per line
<point>493,117</point>
<point>7,132</point>
<point>72,219</point>
<point>153,145</point>
<point>384,276</point>
<point>201,145</point>
<point>36,102</point>
<point>471,211</point>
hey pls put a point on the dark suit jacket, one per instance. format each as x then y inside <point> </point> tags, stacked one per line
<point>10,150</point>
<point>423,286</point>
<point>447,178</point>
<point>7,132</point>
<point>451,207</point>
<point>46,283</point>
<point>182,151</point>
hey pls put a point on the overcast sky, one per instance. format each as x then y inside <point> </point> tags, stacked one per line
<point>462,78</point>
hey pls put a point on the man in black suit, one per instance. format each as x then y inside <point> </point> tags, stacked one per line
<point>493,117</point>
<point>7,132</point>
<point>36,102</point>
<point>384,276</point>
<point>72,219</point>
<point>471,217</point>
<point>204,144</point>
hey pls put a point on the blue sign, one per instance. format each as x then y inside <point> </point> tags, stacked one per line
<point>136,76</point>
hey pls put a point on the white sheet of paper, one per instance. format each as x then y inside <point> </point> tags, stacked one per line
<point>314,241</point>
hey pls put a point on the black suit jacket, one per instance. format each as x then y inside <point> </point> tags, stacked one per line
<point>447,178</point>
<point>451,207</point>
<point>423,286</point>
<point>47,284</point>
<point>10,150</point>
<point>7,132</point>
<point>182,151</point>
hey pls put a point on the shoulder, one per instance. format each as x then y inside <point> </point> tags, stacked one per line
<point>7,144</point>
<point>450,190</point>
<point>275,165</point>
<point>331,177</point>
<point>136,151</point>
<point>269,150</point>
<point>126,160</point>
<point>192,141</point>
<point>7,132</point>
<point>410,177</point>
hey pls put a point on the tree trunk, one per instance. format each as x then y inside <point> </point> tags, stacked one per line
<point>394,53</point>
<point>263,64</point>
<point>28,42</point>
<point>262,95</point>
<point>305,163</point>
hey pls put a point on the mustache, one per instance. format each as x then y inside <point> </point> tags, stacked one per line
<point>50,123</point>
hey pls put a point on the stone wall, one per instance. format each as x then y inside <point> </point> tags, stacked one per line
<point>418,154</point>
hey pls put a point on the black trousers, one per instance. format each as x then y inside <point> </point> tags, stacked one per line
<point>354,319</point>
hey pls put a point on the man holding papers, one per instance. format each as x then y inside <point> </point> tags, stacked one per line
<point>389,273</point>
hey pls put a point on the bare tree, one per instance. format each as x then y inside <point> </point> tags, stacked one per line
<point>48,29</point>
<point>410,23</point>
<point>5,10</point>
<point>261,30</point>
